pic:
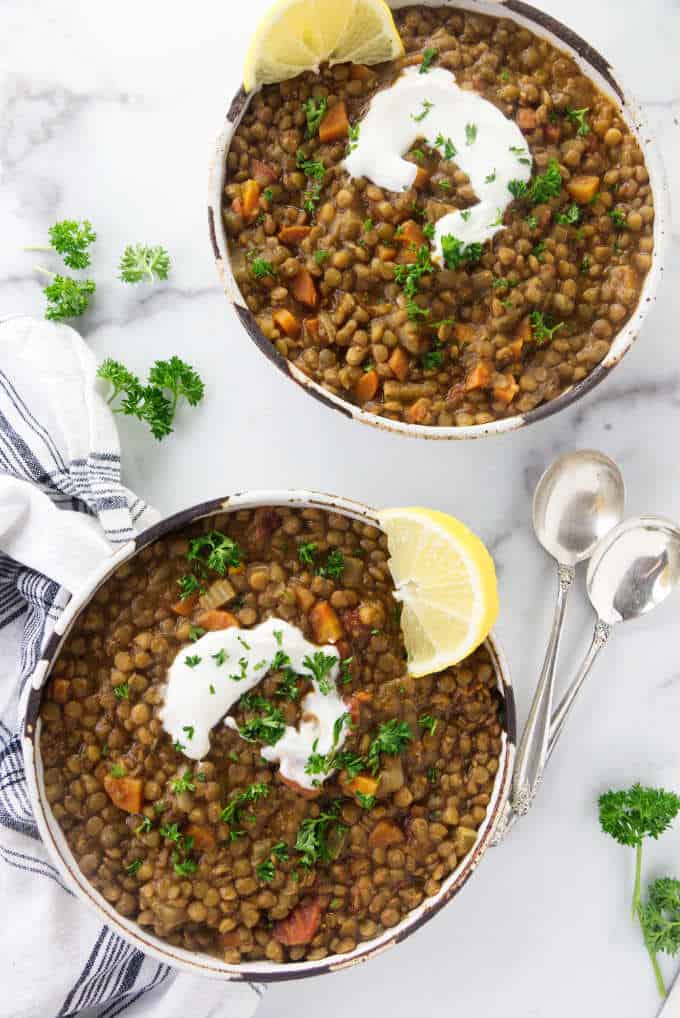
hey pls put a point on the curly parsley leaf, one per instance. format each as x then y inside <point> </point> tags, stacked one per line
<point>139,263</point>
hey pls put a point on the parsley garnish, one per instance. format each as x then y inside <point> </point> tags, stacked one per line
<point>365,801</point>
<point>456,253</point>
<point>541,332</point>
<point>312,835</point>
<point>345,670</point>
<point>546,185</point>
<point>156,402</point>
<point>185,783</point>
<point>578,118</point>
<point>585,265</point>
<point>66,297</point>
<point>189,730</point>
<point>134,867</point>
<point>449,148</point>
<point>122,691</point>
<point>195,632</point>
<point>429,723</point>
<point>70,239</point>
<point>189,585</point>
<point>429,56</point>
<point>618,218</point>
<point>183,867</point>
<point>427,106</point>
<point>320,665</point>
<point>353,135</point>
<point>231,814</point>
<point>518,188</point>
<point>192,660</point>
<point>569,218</point>
<point>267,728</point>
<point>141,262</point>
<point>220,657</point>
<point>216,551</point>
<point>335,564</point>
<point>117,771</point>
<point>470,134</point>
<point>433,358</point>
<point>265,871</point>
<point>260,268</point>
<point>392,738</point>
<point>315,110</point>
<point>320,256</point>
<point>306,552</point>
<point>490,179</point>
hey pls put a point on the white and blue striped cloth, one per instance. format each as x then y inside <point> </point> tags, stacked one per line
<point>59,455</point>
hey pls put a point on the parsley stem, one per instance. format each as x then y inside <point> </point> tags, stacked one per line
<point>45,272</point>
<point>635,908</point>
<point>657,972</point>
<point>38,247</point>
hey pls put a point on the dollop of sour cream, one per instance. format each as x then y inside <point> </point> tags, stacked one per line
<point>488,146</point>
<point>206,679</point>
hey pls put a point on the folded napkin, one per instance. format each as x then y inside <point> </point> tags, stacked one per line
<point>60,479</point>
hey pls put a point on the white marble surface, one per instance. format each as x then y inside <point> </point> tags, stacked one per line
<point>108,111</point>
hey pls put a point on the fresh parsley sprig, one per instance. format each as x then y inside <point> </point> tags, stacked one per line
<point>141,263</point>
<point>66,297</point>
<point>71,239</point>
<point>156,402</point>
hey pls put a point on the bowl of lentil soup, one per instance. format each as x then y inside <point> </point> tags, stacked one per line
<point>217,866</point>
<point>525,327</point>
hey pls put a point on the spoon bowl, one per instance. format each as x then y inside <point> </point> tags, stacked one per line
<point>634,569</point>
<point>578,500</point>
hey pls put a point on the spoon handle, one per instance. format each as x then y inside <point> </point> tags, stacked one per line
<point>600,637</point>
<point>532,752</point>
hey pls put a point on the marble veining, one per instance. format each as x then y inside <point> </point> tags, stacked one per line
<point>109,111</point>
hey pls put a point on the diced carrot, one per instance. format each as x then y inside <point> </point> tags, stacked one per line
<point>250,195</point>
<point>335,124</point>
<point>60,690</point>
<point>398,363</point>
<point>507,391</point>
<point>293,234</point>
<point>363,783</point>
<point>583,188</point>
<point>214,620</point>
<point>300,926</point>
<point>304,289</point>
<point>354,702</point>
<point>411,233</point>
<point>230,939</point>
<point>287,322</point>
<point>304,597</point>
<point>417,412</point>
<point>479,377</point>
<point>360,72</point>
<point>384,834</point>
<point>422,179</point>
<point>366,386</point>
<point>185,605</point>
<point>237,570</point>
<point>237,206</point>
<point>523,332</point>
<point>526,119</point>
<point>387,254</point>
<point>326,625</point>
<point>204,839</point>
<point>306,793</point>
<point>464,332</point>
<point>125,793</point>
<point>262,172</point>
<point>312,327</point>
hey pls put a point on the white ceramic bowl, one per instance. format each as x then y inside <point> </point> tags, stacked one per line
<point>203,964</point>
<point>598,70</point>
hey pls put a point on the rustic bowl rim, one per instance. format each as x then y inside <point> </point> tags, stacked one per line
<point>50,832</point>
<point>602,73</point>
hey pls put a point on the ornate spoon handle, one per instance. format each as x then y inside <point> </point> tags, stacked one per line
<point>600,637</point>
<point>532,752</point>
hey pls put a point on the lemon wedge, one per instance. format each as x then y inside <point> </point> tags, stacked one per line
<point>299,35</point>
<point>446,581</point>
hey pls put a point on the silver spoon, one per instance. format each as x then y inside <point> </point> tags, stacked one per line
<point>578,500</point>
<point>633,569</point>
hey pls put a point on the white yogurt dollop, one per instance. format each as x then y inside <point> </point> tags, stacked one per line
<point>206,679</point>
<point>489,147</point>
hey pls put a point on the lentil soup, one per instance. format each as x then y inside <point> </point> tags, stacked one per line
<point>223,855</point>
<point>339,273</point>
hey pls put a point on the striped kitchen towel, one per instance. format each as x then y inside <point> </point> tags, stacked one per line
<point>59,456</point>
